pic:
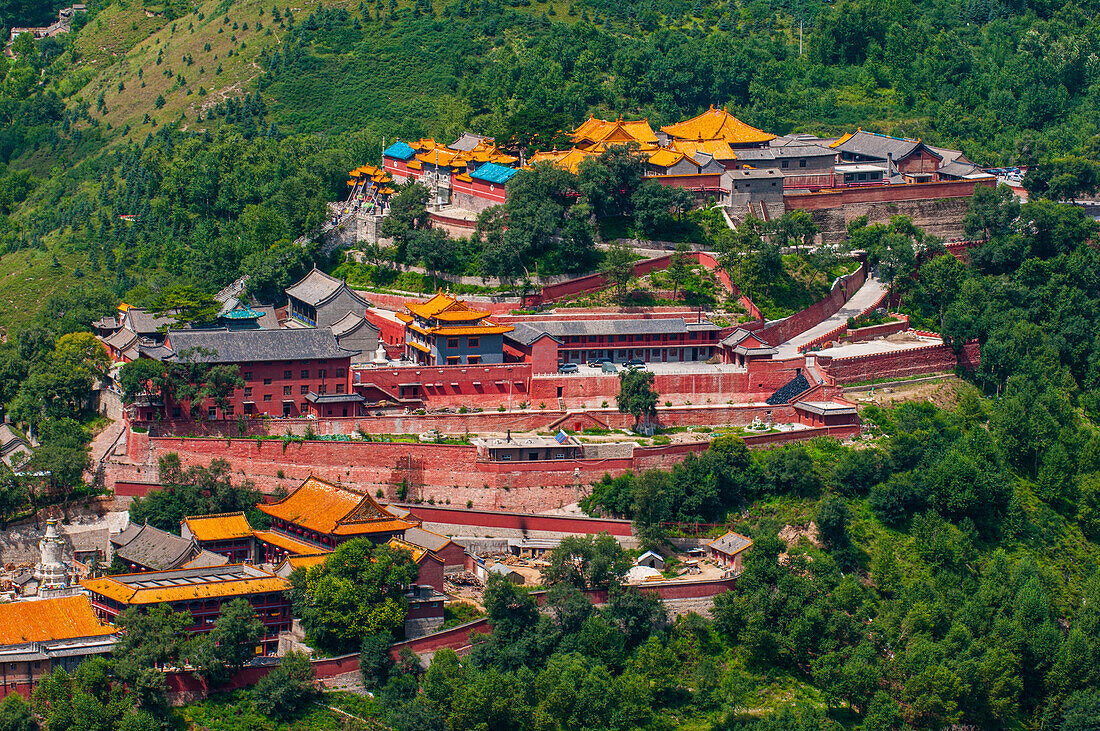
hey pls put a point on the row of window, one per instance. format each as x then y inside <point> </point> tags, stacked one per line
<point>787,163</point>
<point>470,342</point>
<point>289,374</point>
<point>663,338</point>
<point>302,389</point>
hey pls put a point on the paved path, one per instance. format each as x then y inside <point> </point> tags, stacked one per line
<point>102,445</point>
<point>866,296</point>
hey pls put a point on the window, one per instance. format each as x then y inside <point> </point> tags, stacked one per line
<point>229,411</point>
<point>785,163</point>
<point>473,359</point>
<point>339,388</point>
<point>452,342</point>
<point>248,391</point>
<point>286,390</point>
<point>287,375</point>
<point>248,408</point>
<point>267,397</point>
<point>452,360</point>
<point>322,373</point>
<point>176,412</point>
<point>305,373</point>
<point>341,373</point>
<point>862,176</point>
<point>304,389</point>
<point>212,412</point>
<point>322,388</point>
<point>473,342</point>
<point>801,163</point>
<point>267,381</point>
<point>248,375</point>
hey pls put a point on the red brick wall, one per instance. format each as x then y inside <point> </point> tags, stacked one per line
<point>431,573</point>
<point>881,194</point>
<point>900,324</point>
<point>519,521</point>
<point>816,313</point>
<point>898,364</point>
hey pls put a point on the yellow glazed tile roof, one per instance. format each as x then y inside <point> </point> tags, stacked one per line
<point>417,552</point>
<point>718,149</point>
<point>286,542</point>
<point>218,527</point>
<point>330,509</point>
<point>113,588</point>
<point>64,618</point>
<point>304,562</point>
<point>665,158</point>
<point>476,330</point>
<point>316,505</point>
<point>717,124</point>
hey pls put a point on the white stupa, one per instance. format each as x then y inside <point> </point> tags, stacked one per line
<point>52,572</point>
<point>380,357</point>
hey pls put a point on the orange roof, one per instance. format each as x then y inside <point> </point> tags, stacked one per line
<point>218,527</point>
<point>414,165</point>
<point>611,132</point>
<point>666,158</point>
<point>331,509</point>
<point>843,138</point>
<point>134,593</point>
<point>64,618</point>
<point>717,124</point>
<point>368,528</point>
<point>286,542</point>
<point>718,149</point>
<point>304,562</point>
<point>438,156</point>
<point>445,307</point>
<point>464,178</point>
<point>476,330</point>
<point>417,552</point>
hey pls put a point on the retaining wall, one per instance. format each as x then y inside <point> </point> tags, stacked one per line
<point>818,312</point>
<point>916,361</point>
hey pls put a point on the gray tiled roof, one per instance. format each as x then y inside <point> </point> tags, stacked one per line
<point>121,338</point>
<point>154,548</point>
<point>333,398</point>
<point>804,151</point>
<point>426,539</point>
<point>959,169</point>
<point>526,334</point>
<point>879,146</point>
<point>349,323</point>
<point>207,558</point>
<point>730,543</point>
<point>239,346</point>
<point>145,323</point>
<point>316,288</point>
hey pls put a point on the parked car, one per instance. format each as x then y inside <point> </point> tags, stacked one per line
<point>598,362</point>
<point>635,364</point>
<point>609,367</point>
<point>568,368</point>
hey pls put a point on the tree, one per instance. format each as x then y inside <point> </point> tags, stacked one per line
<point>618,268</point>
<point>654,204</point>
<point>287,689</point>
<point>636,396</point>
<point>587,562</point>
<point>186,304</point>
<point>63,452</point>
<point>150,639</point>
<point>220,653</point>
<point>375,662</point>
<point>356,593</point>
<point>15,714</point>
<point>678,272</point>
<point>408,213</point>
<point>609,180</point>
<point>196,490</point>
<point>832,525</point>
<point>142,377</point>
<point>991,213</point>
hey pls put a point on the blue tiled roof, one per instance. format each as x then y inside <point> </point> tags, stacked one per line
<point>399,150</point>
<point>490,172</point>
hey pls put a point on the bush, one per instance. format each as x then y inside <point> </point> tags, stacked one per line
<point>287,689</point>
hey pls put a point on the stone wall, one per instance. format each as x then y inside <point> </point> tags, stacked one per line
<point>941,217</point>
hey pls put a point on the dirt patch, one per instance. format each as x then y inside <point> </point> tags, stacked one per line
<point>792,534</point>
<point>943,392</point>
